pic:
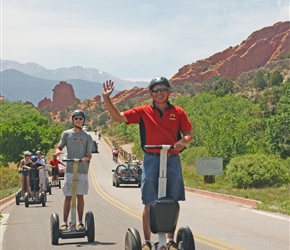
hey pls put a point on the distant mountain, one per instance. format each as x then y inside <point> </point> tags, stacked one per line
<point>17,86</point>
<point>64,74</point>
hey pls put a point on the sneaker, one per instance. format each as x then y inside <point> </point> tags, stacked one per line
<point>171,245</point>
<point>146,246</point>
<point>63,227</point>
<point>81,227</point>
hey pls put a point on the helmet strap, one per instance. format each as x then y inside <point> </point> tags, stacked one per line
<point>77,127</point>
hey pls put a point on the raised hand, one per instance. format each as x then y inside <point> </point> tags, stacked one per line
<point>108,88</point>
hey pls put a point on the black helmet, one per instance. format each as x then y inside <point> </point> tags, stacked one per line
<point>78,112</point>
<point>159,80</point>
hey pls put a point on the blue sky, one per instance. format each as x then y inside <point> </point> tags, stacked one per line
<point>130,39</point>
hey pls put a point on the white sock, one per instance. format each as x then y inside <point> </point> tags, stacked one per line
<point>65,223</point>
<point>80,222</point>
<point>169,239</point>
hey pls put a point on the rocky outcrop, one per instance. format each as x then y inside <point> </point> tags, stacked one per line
<point>261,47</point>
<point>45,103</point>
<point>136,95</point>
<point>63,96</point>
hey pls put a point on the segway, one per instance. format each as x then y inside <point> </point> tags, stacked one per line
<point>72,231</point>
<point>34,199</point>
<point>47,184</point>
<point>163,214</point>
<point>48,188</point>
<point>18,193</point>
<point>54,183</point>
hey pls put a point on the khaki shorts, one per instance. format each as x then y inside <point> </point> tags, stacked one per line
<point>82,185</point>
<point>42,180</point>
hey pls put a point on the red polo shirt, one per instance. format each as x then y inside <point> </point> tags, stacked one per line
<point>54,163</point>
<point>158,129</point>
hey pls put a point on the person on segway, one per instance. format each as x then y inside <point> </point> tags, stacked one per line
<point>115,152</point>
<point>41,161</point>
<point>160,123</point>
<point>24,173</point>
<point>45,172</point>
<point>79,146</point>
<point>34,168</point>
<point>55,171</point>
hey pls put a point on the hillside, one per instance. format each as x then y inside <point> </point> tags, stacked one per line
<point>260,48</point>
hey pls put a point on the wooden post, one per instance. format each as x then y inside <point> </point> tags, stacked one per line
<point>209,179</point>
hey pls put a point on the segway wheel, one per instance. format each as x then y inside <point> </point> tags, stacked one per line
<point>90,226</point>
<point>54,227</point>
<point>42,198</point>
<point>49,188</point>
<point>17,198</point>
<point>26,202</point>
<point>185,239</point>
<point>132,240</point>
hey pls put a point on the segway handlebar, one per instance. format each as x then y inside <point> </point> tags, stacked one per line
<point>72,160</point>
<point>158,146</point>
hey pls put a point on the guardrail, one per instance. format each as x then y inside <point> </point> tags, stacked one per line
<point>128,156</point>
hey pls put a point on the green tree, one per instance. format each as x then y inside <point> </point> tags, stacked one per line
<point>259,80</point>
<point>275,79</point>
<point>23,128</point>
<point>226,126</point>
<point>278,125</point>
<point>223,86</point>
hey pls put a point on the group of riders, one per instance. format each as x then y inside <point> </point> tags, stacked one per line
<point>34,172</point>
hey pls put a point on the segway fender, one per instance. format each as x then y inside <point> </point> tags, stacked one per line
<point>132,239</point>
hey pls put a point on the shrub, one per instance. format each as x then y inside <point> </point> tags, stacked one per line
<point>9,178</point>
<point>257,171</point>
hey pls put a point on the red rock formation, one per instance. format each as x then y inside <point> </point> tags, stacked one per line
<point>45,103</point>
<point>96,99</point>
<point>261,47</point>
<point>63,96</point>
<point>134,93</point>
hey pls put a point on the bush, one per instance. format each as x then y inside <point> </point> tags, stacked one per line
<point>9,178</point>
<point>189,155</point>
<point>257,171</point>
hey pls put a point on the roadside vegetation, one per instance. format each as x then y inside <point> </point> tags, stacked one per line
<point>22,128</point>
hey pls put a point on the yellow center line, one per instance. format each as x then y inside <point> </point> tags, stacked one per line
<point>197,237</point>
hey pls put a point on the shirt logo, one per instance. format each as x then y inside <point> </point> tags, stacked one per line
<point>78,139</point>
<point>172,117</point>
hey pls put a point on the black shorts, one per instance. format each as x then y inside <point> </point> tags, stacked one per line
<point>55,171</point>
<point>31,184</point>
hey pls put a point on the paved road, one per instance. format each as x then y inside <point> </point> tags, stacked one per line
<point>215,224</point>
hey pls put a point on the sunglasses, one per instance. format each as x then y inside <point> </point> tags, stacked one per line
<point>162,90</point>
<point>78,118</point>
